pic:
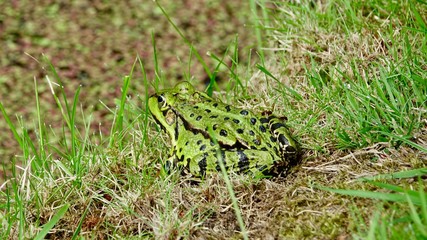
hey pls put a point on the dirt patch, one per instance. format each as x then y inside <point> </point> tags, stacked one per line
<point>93,44</point>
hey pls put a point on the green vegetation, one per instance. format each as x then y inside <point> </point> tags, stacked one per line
<point>351,77</point>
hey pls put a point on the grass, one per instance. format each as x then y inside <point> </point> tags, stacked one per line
<point>349,75</point>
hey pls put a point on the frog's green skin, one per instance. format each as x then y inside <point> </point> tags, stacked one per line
<point>246,142</point>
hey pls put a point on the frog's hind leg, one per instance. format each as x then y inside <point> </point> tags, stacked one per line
<point>242,161</point>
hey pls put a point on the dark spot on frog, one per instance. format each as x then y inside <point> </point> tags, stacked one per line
<point>251,133</point>
<point>218,168</point>
<point>213,116</point>
<point>212,144</point>
<point>243,163</point>
<point>262,129</point>
<point>215,105</point>
<point>202,165</point>
<point>198,118</point>
<point>290,149</point>
<point>244,112</point>
<point>228,108</point>
<point>199,142</point>
<point>269,145</point>
<point>223,133</point>
<point>203,147</point>
<point>226,118</point>
<point>257,142</point>
<point>196,107</point>
<point>208,110</point>
<point>239,130</point>
<point>283,140</point>
<point>215,126</point>
<point>273,139</point>
<point>236,121</point>
<point>253,121</point>
<point>264,149</point>
<point>186,143</point>
<point>192,115</point>
<point>264,120</point>
<point>275,126</point>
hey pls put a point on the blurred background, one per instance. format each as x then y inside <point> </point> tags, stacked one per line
<point>94,44</point>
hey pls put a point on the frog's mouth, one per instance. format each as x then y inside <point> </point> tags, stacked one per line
<point>165,118</point>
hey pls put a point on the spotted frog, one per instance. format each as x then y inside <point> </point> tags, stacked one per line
<point>204,131</point>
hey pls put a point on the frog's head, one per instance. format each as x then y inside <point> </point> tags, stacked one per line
<point>161,104</point>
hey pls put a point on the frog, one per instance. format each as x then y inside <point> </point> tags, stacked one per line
<point>204,132</point>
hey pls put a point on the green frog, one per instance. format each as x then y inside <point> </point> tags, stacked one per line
<point>204,131</point>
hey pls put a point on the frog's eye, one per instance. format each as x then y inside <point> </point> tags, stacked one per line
<point>160,99</point>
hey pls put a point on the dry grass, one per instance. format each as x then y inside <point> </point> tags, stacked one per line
<point>122,201</point>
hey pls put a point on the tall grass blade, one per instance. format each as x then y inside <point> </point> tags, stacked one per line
<point>196,53</point>
<point>79,225</point>
<point>257,26</point>
<point>145,101</point>
<point>49,225</point>
<point>393,197</point>
<point>157,72</point>
<point>416,217</point>
<point>11,126</point>
<point>73,124</point>
<point>405,140</point>
<point>40,156</point>
<point>230,188</point>
<point>397,175</point>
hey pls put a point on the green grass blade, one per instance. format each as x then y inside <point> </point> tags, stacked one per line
<point>145,101</point>
<point>79,225</point>
<point>397,175</point>
<point>72,126</point>
<point>368,194</point>
<point>423,198</point>
<point>49,225</point>
<point>40,123</point>
<point>392,187</point>
<point>374,222</point>
<point>11,126</point>
<point>125,88</point>
<point>66,112</point>
<point>257,26</point>
<point>294,93</point>
<point>416,218</point>
<point>418,18</point>
<point>157,72</point>
<point>117,128</point>
<point>405,140</point>
<point>230,189</point>
<point>196,53</point>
